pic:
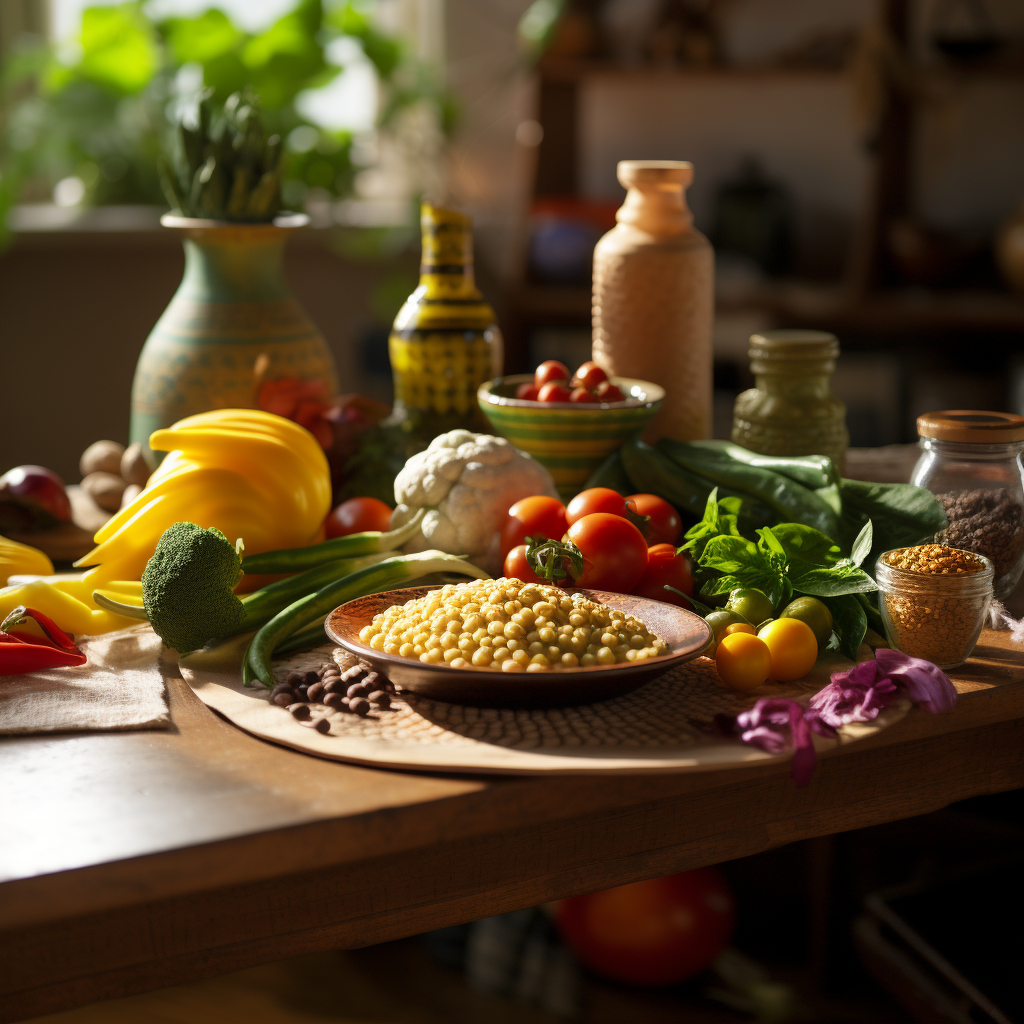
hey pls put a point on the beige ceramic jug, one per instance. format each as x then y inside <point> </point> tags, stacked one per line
<point>654,296</point>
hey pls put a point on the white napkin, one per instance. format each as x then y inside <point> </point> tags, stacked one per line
<point>120,687</point>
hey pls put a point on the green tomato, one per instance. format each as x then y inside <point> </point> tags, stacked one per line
<point>752,604</point>
<point>718,620</point>
<point>815,613</point>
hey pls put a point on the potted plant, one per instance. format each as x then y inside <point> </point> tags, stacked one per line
<point>233,324</point>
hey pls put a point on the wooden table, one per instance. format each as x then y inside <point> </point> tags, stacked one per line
<point>130,861</point>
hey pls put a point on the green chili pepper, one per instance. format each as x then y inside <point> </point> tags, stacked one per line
<point>298,559</point>
<point>812,471</point>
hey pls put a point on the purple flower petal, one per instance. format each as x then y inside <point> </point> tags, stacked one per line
<point>925,683</point>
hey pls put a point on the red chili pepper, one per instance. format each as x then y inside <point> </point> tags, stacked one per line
<point>22,652</point>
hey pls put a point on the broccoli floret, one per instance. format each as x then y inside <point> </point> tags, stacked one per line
<point>187,587</point>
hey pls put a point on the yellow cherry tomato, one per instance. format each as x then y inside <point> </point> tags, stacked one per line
<point>743,661</point>
<point>792,646</point>
<point>739,627</point>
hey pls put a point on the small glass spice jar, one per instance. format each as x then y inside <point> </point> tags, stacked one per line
<point>971,461</point>
<point>933,601</point>
<point>791,411</point>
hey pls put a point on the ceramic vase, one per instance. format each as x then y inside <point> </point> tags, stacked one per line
<point>653,299</point>
<point>232,324</point>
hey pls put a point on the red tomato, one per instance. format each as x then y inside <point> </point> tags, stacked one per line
<point>595,499</point>
<point>553,392</point>
<point>358,515</point>
<point>664,524</point>
<point>583,395</point>
<point>516,566</point>
<point>527,391</point>
<point>658,932</point>
<point>539,516</point>
<point>666,568</point>
<point>589,375</point>
<point>550,370</point>
<point>609,392</point>
<point>614,552</point>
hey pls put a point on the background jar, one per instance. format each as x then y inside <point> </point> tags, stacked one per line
<point>971,461</point>
<point>938,618</point>
<point>791,411</point>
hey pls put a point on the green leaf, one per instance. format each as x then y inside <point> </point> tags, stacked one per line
<point>745,564</point>
<point>805,547</point>
<point>118,47</point>
<point>862,545</point>
<point>849,622</point>
<point>769,543</point>
<point>731,554</point>
<point>902,514</point>
<point>720,517</point>
<point>201,39</point>
<point>833,581</point>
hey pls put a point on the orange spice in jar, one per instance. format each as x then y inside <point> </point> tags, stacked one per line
<point>933,601</point>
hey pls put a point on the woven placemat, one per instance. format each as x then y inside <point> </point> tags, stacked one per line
<point>667,725</point>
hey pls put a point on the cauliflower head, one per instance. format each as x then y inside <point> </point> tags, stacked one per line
<point>467,482</point>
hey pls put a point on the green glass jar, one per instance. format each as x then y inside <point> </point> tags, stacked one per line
<point>790,410</point>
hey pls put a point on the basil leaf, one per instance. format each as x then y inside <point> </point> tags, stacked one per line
<point>719,518</point>
<point>805,547</point>
<point>833,581</point>
<point>730,554</point>
<point>849,622</point>
<point>769,543</point>
<point>862,545</point>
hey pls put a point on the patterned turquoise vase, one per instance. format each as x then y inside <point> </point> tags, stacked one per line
<point>232,324</point>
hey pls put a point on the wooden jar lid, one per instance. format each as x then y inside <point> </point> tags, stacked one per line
<point>971,426</point>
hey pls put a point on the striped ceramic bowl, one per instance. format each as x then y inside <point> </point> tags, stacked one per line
<point>570,439</point>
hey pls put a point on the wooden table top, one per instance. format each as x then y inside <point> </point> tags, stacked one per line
<point>129,861</point>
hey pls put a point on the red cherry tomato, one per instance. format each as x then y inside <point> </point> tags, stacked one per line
<point>358,515</point>
<point>666,568</point>
<point>583,395</point>
<point>537,516</point>
<point>663,525</point>
<point>516,566</point>
<point>553,392</point>
<point>614,552</point>
<point>658,932</point>
<point>550,370</point>
<point>608,392</point>
<point>527,391</point>
<point>595,499</point>
<point>589,375</point>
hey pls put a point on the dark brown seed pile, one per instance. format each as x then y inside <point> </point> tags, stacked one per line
<point>988,522</point>
<point>313,697</point>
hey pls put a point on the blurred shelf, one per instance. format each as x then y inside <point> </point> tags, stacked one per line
<point>578,70</point>
<point>799,304</point>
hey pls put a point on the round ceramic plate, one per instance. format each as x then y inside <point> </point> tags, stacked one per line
<point>686,634</point>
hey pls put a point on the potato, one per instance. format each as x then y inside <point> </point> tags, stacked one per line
<point>105,489</point>
<point>101,457</point>
<point>134,467</point>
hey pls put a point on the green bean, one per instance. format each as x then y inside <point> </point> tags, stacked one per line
<point>812,471</point>
<point>298,559</point>
<point>793,502</point>
<point>386,575</point>
<point>312,636</point>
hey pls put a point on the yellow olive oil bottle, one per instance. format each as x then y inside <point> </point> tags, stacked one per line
<point>445,342</point>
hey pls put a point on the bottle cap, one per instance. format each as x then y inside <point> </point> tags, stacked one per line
<point>971,426</point>
<point>789,345</point>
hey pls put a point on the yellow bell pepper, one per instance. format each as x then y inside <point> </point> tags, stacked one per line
<point>67,599</point>
<point>20,559</point>
<point>253,475</point>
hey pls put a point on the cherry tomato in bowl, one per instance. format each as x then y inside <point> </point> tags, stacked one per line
<point>583,395</point>
<point>536,516</point>
<point>554,391</point>
<point>609,392</point>
<point>595,499</point>
<point>358,515</point>
<point>614,552</point>
<point>551,370</point>
<point>663,524</point>
<point>657,932</point>
<point>589,376</point>
<point>666,568</point>
<point>527,391</point>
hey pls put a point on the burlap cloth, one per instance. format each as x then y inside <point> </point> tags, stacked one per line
<point>120,687</point>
